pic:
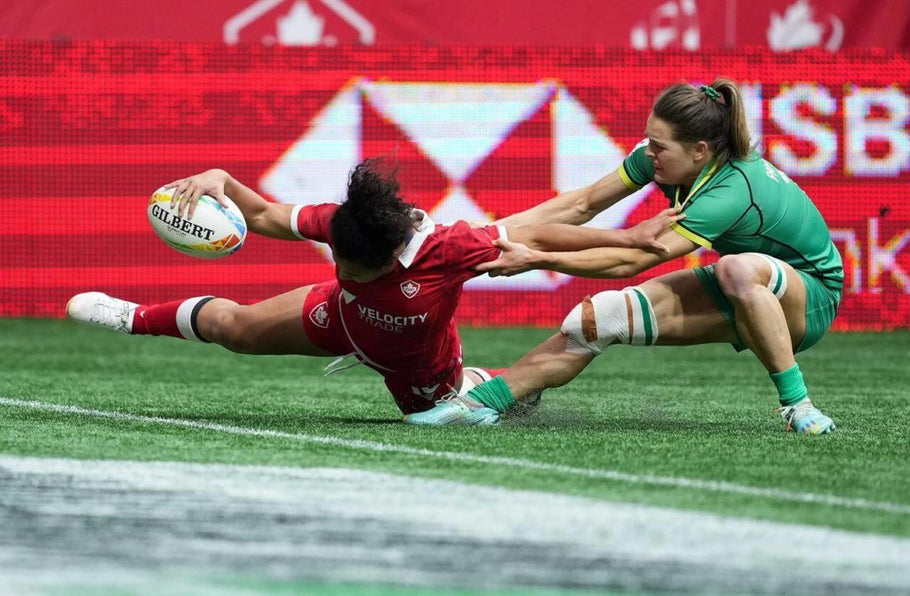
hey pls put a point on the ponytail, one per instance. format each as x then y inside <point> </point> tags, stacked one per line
<point>715,114</point>
<point>739,142</point>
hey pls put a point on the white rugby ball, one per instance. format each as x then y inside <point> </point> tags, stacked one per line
<point>212,232</point>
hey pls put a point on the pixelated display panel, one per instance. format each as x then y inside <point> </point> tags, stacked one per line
<point>89,130</point>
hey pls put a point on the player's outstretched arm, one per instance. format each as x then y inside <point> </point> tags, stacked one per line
<point>594,262</point>
<point>262,217</point>
<point>575,206</point>
<point>563,237</point>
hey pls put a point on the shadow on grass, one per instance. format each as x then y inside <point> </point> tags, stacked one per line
<point>553,419</point>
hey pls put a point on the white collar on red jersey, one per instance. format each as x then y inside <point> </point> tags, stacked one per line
<point>425,227</point>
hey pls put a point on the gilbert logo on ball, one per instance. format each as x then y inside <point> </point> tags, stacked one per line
<point>213,231</point>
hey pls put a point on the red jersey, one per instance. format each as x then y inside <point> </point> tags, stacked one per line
<point>401,324</point>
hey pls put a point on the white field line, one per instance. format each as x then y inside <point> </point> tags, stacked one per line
<point>359,444</point>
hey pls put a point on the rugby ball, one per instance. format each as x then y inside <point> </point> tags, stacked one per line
<point>213,231</point>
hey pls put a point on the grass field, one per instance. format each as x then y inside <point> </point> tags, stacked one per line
<point>657,471</point>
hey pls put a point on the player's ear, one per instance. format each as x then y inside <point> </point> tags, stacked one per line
<point>700,151</point>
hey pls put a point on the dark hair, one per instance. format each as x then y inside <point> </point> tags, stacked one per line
<point>715,115</point>
<point>374,221</point>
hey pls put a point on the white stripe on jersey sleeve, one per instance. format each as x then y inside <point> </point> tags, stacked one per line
<point>295,213</point>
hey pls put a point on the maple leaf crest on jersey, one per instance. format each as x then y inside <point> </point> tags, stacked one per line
<point>410,288</point>
<point>320,315</point>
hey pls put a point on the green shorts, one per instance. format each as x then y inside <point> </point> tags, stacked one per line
<point>821,305</point>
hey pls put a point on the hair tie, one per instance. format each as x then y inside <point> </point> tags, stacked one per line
<point>711,92</point>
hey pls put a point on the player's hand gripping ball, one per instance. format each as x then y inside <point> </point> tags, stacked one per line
<point>214,231</point>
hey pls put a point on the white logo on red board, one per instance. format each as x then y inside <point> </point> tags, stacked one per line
<point>797,29</point>
<point>299,23</point>
<point>672,24</point>
<point>409,288</point>
<point>305,174</point>
<point>319,315</point>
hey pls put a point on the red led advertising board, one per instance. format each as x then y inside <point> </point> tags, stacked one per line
<point>90,129</point>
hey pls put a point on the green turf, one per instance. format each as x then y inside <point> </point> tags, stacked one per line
<point>702,413</point>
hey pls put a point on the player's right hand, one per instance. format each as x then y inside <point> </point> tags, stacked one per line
<point>644,235</point>
<point>515,258</point>
<point>188,190</point>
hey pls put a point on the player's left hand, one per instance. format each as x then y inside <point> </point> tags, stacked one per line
<point>515,258</point>
<point>644,235</point>
<point>188,190</point>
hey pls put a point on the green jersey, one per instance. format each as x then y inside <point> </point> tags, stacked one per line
<point>748,206</point>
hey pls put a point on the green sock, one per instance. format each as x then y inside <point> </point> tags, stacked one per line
<point>493,394</point>
<point>790,385</point>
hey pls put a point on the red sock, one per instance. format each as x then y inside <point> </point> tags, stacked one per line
<point>177,318</point>
<point>495,372</point>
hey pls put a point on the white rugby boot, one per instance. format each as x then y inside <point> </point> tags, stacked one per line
<point>100,310</point>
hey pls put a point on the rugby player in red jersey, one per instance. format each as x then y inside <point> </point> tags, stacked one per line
<point>399,277</point>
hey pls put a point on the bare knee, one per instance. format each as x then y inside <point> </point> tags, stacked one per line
<point>226,325</point>
<point>737,276</point>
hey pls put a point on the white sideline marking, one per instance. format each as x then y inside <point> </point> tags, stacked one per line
<point>127,524</point>
<point>706,485</point>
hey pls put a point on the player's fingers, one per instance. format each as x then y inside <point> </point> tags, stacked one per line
<point>178,192</point>
<point>659,247</point>
<point>670,215</point>
<point>488,267</point>
<point>192,201</point>
<point>503,244</point>
<point>174,183</point>
<point>183,203</point>
<point>221,198</point>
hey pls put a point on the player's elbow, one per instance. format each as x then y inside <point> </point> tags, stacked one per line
<point>583,209</point>
<point>269,221</point>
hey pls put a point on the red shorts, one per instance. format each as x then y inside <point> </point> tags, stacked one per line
<point>321,320</point>
<point>413,390</point>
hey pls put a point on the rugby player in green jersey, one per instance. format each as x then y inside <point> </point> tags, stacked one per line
<point>775,289</point>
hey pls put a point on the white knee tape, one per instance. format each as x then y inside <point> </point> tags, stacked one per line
<point>778,282</point>
<point>608,318</point>
<point>467,384</point>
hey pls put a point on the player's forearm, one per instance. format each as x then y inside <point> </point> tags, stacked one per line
<point>569,208</point>
<point>575,206</point>
<point>563,237</point>
<point>595,262</point>
<point>262,217</point>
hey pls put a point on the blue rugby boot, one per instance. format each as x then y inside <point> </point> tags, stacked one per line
<point>455,410</point>
<point>806,419</point>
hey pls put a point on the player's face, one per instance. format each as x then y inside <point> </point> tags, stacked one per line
<point>348,270</point>
<point>675,163</point>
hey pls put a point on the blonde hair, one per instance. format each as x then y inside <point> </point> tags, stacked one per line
<point>714,114</point>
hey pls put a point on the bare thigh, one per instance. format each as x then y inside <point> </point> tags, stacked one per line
<point>272,326</point>
<point>738,274</point>
<point>686,313</point>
